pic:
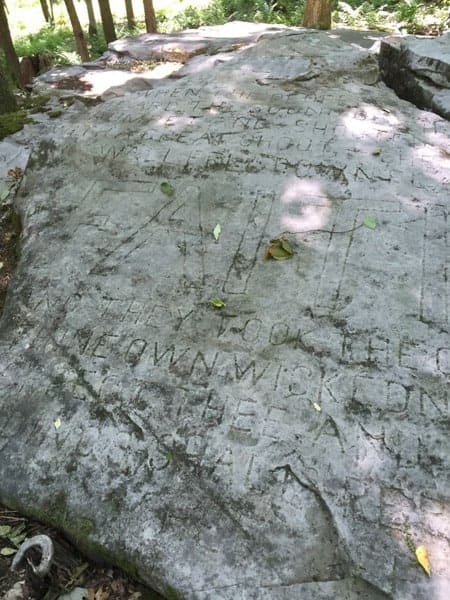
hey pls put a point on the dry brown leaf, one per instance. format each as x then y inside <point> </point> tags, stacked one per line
<point>279,249</point>
<point>118,586</point>
<point>99,594</point>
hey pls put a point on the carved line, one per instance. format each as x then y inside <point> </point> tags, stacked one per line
<point>130,238</point>
<point>227,285</point>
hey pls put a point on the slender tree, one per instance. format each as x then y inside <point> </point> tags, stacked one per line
<point>91,17</point>
<point>78,34</point>
<point>130,14</point>
<point>317,14</point>
<point>150,17</point>
<point>7,101</point>
<point>6,44</point>
<point>107,21</point>
<point>45,11</point>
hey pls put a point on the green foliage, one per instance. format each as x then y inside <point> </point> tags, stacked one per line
<point>415,16</point>
<point>12,122</point>
<point>57,41</point>
<point>289,12</point>
<point>412,16</point>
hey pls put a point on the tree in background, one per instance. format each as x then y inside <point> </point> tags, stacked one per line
<point>7,100</point>
<point>317,14</point>
<point>46,11</point>
<point>130,14</point>
<point>91,17</point>
<point>78,34</point>
<point>150,17</point>
<point>6,44</point>
<point>107,21</point>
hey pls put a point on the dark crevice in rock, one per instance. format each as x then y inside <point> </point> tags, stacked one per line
<point>418,70</point>
<point>10,231</point>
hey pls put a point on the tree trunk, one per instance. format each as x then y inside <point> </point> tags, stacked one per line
<point>317,14</point>
<point>45,11</point>
<point>7,100</point>
<point>130,14</point>
<point>6,44</point>
<point>107,21</point>
<point>91,17</point>
<point>150,17</point>
<point>80,42</point>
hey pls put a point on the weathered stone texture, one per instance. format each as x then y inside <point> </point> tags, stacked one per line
<point>191,445</point>
<point>418,69</point>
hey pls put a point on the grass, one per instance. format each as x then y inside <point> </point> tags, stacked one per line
<point>32,35</point>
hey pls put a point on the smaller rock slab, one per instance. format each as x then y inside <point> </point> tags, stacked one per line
<point>191,42</point>
<point>418,69</point>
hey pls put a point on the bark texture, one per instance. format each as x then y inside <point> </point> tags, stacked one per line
<point>150,17</point>
<point>7,100</point>
<point>317,14</point>
<point>107,21</point>
<point>6,44</point>
<point>78,34</point>
<point>130,14</point>
<point>91,17</point>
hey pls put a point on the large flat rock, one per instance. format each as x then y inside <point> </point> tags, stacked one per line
<point>294,443</point>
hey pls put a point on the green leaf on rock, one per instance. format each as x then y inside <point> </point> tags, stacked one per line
<point>8,551</point>
<point>279,249</point>
<point>370,222</point>
<point>217,231</point>
<point>286,245</point>
<point>3,195</point>
<point>167,189</point>
<point>5,530</point>
<point>217,303</point>
<point>17,540</point>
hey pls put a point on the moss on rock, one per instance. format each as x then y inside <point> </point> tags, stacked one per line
<point>12,122</point>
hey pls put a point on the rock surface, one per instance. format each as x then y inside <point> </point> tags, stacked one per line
<point>418,69</point>
<point>294,443</point>
<point>144,61</point>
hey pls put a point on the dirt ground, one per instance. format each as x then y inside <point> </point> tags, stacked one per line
<point>69,568</point>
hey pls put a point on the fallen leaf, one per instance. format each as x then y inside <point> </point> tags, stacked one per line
<point>57,423</point>
<point>286,245</point>
<point>217,303</point>
<point>167,189</point>
<point>118,587</point>
<point>317,406</point>
<point>423,560</point>
<point>8,551</point>
<point>376,152</point>
<point>3,195</point>
<point>18,539</point>
<point>5,530</point>
<point>15,174</point>
<point>99,594</point>
<point>279,249</point>
<point>217,231</point>
<point>370,222</point>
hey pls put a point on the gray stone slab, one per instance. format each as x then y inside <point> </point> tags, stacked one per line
<point>418,69</point>
<point>294,443</point>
